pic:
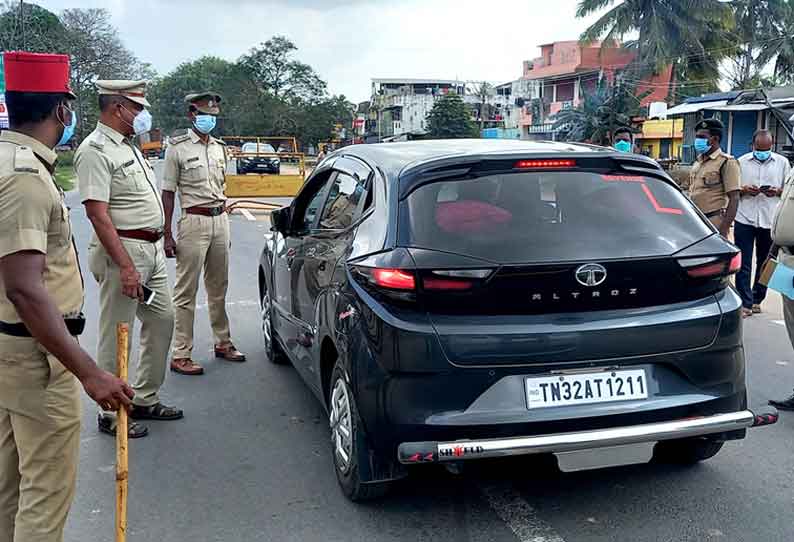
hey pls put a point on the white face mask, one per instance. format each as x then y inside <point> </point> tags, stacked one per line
<point>142,122</point>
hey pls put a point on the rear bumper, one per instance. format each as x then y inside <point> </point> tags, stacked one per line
<point>424,452</point>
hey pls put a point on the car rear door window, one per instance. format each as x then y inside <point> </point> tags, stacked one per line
<point>342,207</point>
<point>550,216</point>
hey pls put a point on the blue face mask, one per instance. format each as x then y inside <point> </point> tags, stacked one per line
<point>68,131</point>
<point>205,123</point>
<point>762,156</point>
<point>622,146</point>
<point>701,145</point>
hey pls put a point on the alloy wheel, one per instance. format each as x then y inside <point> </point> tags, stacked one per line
<point>341,425</point>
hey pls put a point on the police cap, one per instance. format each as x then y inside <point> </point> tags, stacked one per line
<point>133,90</point>
<point>714,126</point>
<point>204,102</point>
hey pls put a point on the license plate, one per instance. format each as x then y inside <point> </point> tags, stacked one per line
<point>586,388</point>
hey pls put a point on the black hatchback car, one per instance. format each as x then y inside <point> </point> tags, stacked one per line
<point>456,300</point>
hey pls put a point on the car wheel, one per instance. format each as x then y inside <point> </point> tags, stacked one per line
<point>688,451</point>
<point>272,348</point>
<point>348,442</point>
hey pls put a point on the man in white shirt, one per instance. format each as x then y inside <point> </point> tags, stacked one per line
<point>763,175</point>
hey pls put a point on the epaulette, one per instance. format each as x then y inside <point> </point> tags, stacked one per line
<point>179,139</point>
<point>97,139</point>
<point>219,141</point>
<point>25,161</point>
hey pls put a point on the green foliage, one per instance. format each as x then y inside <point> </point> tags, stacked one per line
<point>283,99</point>
<point>450,118</point>
<point>279,75</point>
<point>599,113</point>
<point>691,35</point>
<point>28,27</point>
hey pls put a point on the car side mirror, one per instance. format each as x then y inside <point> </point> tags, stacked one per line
<point>280,219</point>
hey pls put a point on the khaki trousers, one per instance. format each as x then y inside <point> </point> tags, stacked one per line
<point>203,243</point>
<point>39,442</point>
<point>157,319</point>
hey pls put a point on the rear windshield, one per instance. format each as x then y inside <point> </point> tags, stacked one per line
<point>550,216</point>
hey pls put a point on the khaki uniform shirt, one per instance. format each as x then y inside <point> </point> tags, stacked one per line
<point>713,177</point>
<point>195,170</point>
<point>34,217</point>
<point>110,169</point>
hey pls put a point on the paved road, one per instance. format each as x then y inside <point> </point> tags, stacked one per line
<point>251,462</point>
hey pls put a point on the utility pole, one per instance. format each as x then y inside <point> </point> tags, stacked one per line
<point>22,24</point>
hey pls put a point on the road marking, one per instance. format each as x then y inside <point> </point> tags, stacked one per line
<point>247,214</point>
<point>522,519</point>
<point>779,322</point>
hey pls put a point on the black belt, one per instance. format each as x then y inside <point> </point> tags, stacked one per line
<point>74,325</point>
<point>715,213</point>
<point>206,211</point>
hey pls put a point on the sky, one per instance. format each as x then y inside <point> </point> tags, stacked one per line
<point>348,42</point>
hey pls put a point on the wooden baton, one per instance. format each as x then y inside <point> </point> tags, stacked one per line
<point>122,457</point>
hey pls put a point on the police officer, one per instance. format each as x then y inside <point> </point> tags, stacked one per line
<point>118,189</point>
<point>715,177</point>
<point>41,298</point>
<point>195,167</point>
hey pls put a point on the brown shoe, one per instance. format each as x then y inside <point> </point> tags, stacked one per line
<point>228,352</point>
<point>186,366</point>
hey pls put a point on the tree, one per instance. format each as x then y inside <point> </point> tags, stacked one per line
<point>96,53</point>
<point>483,91</point>
<point>758,33</point>
<point>243,110</point>
<point>278,74</point>
<point>600,113</point>
<point>779,46</point>
<point>692,35</point>
<point>28,27</point>
<point>450,119</point>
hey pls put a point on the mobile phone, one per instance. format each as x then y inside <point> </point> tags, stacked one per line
<point>148,295</point>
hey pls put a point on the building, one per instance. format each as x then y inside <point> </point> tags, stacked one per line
<point>566,71</point>
<point>742,112</point>
<point>661,139</point>
<point>398,108</point>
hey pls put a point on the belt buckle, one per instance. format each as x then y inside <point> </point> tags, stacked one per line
<point>217,211</point>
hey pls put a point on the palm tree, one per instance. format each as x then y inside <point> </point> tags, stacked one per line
<point>779,44</point>
<point>692,35</point>
<point>599,113</point>
<point>761,28</point>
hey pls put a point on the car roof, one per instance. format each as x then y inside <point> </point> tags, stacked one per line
<point>393,158</point>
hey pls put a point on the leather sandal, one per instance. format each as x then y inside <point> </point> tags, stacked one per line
<point>155,412</point>
<point>228,352</point>
<point>186,366</point>
<point>107,425</point>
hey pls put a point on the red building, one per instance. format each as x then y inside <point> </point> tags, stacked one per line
<point>567,70</point>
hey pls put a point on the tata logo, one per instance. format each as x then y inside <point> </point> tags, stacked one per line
<point>591,274</point>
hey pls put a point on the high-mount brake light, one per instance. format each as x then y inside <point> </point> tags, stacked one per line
<point>545,164</point>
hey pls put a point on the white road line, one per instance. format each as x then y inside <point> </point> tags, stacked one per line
<point>522,519</point>
<point>242,303</point>
<point>247,214</point>
<point>779,322</point>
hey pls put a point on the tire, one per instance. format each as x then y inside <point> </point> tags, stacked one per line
<point>688,451</point>
<point>272,348</point>
<point>346,451</point>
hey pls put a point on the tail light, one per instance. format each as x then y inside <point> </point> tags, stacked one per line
<point>403,281</point>
<point>711,267</point>
<point>394,279</point>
